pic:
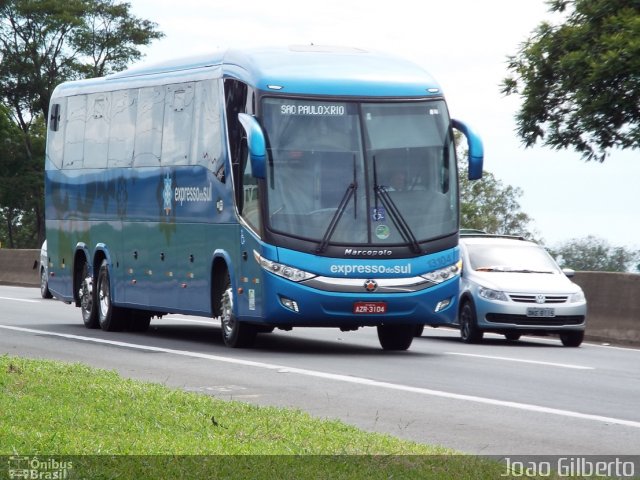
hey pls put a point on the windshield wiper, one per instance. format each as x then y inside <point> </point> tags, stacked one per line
<point>396,216</point>
<point>351,189</point>
<point>510,270</point>
<point>526,270</point>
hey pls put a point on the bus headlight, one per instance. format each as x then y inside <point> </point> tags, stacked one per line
<point>282,270</point>
<point>444,274</point>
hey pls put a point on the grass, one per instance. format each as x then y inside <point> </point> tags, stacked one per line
<point>111,427</point>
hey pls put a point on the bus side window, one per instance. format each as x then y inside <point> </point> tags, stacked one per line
<point>122,128</point>
<point>206,146</point>
<point>235,99</point>
<point>250,206</point>
<point>178,118</point>
<point>74,131</point>
<point>97,124</point>
<point>149,120</point>
<point>55,138</point>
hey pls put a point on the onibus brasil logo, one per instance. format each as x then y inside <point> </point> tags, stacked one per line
<point>23,467</point>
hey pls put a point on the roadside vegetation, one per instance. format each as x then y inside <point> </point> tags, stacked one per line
<point>104,426</point>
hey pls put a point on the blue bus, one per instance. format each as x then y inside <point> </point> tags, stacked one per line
<point>268,187</point>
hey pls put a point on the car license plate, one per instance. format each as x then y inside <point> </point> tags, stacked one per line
<point>369,307</point>
<point>540,312</point>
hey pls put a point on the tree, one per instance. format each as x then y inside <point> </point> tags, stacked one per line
<point>595,254</point>
<point>45,42</point>
<point>20,184</point>
<point>488,205</point>
<point>579,80</point>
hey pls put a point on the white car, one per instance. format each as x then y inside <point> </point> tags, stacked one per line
<point>44,272</point>
<point>513,287</point>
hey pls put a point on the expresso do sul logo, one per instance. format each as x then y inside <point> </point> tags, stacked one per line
<point>181,195</point>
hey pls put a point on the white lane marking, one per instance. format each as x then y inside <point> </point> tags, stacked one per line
<point>342,378</point>
<point>509,359</point>
<point>555,341</point>
<point>20,300</point>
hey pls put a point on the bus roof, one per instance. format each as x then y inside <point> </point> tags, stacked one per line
<point>303,70</point>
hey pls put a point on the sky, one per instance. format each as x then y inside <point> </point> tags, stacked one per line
<point>464,45</point>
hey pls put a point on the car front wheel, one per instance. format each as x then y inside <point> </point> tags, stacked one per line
<point>571,339</point>
<point>469,331</point>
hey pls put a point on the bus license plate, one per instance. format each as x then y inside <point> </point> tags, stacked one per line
<point>540,312</point>
<point>369,307</point>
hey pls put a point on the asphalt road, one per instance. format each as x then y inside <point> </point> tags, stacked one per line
<point>531,397</point>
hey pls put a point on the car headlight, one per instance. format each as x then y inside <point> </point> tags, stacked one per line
<point>444,274</point>
<point>577,297</point>
<point>489,294</point>
<point>282,270</point>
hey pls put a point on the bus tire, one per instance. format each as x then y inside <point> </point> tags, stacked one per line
<point>235,334</point>
<point>396,337</point>
<point>111,318</point>
<point>87,297</point>
<point>138,320</point>
<point>44,284</point>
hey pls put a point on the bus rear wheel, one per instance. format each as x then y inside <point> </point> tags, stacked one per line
<point>111,318</point>
<point>87,298</point>
<point>139,321</point>
<point>396,337</point>
<point>235,334</point>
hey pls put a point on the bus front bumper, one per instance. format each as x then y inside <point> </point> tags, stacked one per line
<point>293,304</point>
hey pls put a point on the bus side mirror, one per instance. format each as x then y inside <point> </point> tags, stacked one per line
<point>257,144</point>
<point>476,151</point>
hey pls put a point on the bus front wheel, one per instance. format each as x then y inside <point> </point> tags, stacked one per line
<point>235,334</point>
<point>396,337</point>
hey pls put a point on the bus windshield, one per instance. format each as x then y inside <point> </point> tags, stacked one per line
<point>360,173</point>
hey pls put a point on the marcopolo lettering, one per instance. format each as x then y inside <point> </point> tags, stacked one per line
<point>367,253</point>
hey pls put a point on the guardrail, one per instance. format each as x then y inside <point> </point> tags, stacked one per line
<point>20,267</point>
<point>613,298</point>
<point>613,306</point>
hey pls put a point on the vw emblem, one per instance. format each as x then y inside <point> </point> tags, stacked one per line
<point>370,285</point>
<point>540,298</point>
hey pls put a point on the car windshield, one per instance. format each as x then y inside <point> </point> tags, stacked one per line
<point>523,258</point>
<point>360,173</point>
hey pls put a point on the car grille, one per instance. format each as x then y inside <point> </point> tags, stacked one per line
<point>534,298</point>
<point>524,320</point>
